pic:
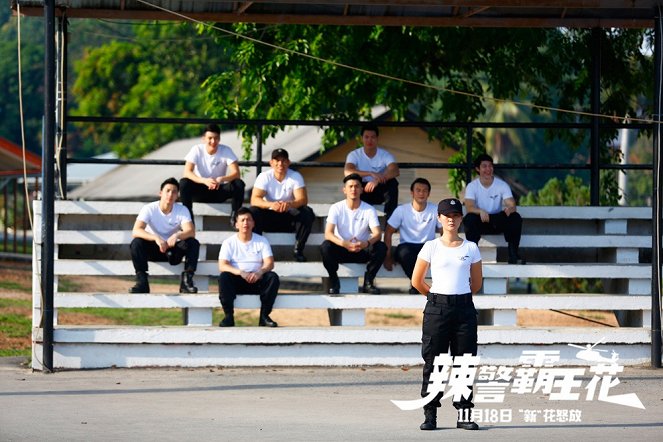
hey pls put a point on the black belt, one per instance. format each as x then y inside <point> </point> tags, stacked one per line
<point>449,299</point>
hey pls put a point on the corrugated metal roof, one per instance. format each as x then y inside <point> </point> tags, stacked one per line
<point>473,13</point>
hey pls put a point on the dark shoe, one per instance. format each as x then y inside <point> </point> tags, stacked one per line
<point>299,256</point>
<point>228,321</point>
<point>186,283</point>
<point>430,419</point>
<point>142,284</point>
<point>369,287</point>
<point>467,425</point>
<point>266,321</point>
<point>334,285</point>
<point>514,256</point>
<point>233,218</point>
<point>413,291</point>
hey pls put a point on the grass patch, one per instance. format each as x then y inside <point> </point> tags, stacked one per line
<point>14,286</point>
<point>398,316</point>
<point>9,352</point>
<point>14,325</point>
<point>129,316</point>
<point>11,302</point>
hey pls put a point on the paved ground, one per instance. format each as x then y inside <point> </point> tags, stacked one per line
<point>294,404</point>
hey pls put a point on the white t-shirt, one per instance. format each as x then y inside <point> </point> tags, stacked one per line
<point>279,191</point>
<point>352,223</point>
<point>248,256</point>
<point>210,166</point>
<point>377,164</point>
<point>415,227</point>
<point>490,198</point>
<point>163,224</point>
<point>450,266</point>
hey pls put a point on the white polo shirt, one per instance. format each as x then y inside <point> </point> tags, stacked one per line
<point>353,223</point>
<point>210,166</point>
<point>450,266</point>
<point>248,256</point>
<point>162,224</point>
<point>377,164</point>
<point>489,198</point>
<point>415,227</point>
<point>276,190</point>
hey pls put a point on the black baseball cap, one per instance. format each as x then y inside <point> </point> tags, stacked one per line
<point>449,206</point>
<point>280,153</point>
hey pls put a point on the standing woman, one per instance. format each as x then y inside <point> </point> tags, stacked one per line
<point>450,319</point>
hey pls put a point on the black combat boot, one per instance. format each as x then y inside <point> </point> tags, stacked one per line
<point>369,286</point>
<point>334,284</point>
<point>186,283</point>
<point>465,421</point>
<point>514,257</point>
<point>298,253</point>
<point>265,320</point>
<point>142,284</point>
<point>229,320</point>
<point>430,419</point>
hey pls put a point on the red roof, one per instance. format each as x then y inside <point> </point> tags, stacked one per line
<point>11,159</point>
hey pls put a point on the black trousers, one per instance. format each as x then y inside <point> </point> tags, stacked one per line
<point>191,191</point>
<point>386,193</point>
<point>143,251</point>
<point>333,255</point>
<point>406,256</point>
<point>511,226</point>
<point>230,285</point>
<point>299,221</point>
<point>450,323</point>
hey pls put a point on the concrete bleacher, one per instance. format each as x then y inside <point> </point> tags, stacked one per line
<point>606,243</point>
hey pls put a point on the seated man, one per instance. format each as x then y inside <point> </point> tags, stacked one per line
<point>491,208</point>
<point>211,173</point>
<point>378,169</point>
<point>163,231</point>
<point>246,263</point>
<point>352,234</point>
<point>417,222</point>
<point>279,202</point>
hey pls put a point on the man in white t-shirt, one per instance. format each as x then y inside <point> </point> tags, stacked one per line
<point>416,222</point>
<point>211,173</point>
<point>279,202</point>
<point>377,168</point>
<point>491,208</point>
<point>352,234</point>
<point>163,231</point>
<point>246,263</point>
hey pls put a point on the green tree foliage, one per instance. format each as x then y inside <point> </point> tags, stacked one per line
<point>157,73</point>
<point>570,192</point>
<point>545,67</point>
<point>32,58</point>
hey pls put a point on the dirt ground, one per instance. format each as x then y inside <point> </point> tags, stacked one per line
<point>15,283</point>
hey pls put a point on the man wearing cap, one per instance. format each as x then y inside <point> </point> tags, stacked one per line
<point>416,223</point>
<point>491,208</point>
<point>279,202</point>
<point>377,168</point>
<point>450,318</point>
<point>163,231</point>
<point>211,173</point>
<point>352,234</point>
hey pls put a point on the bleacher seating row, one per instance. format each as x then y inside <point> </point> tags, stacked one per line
<point>609,243</point>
